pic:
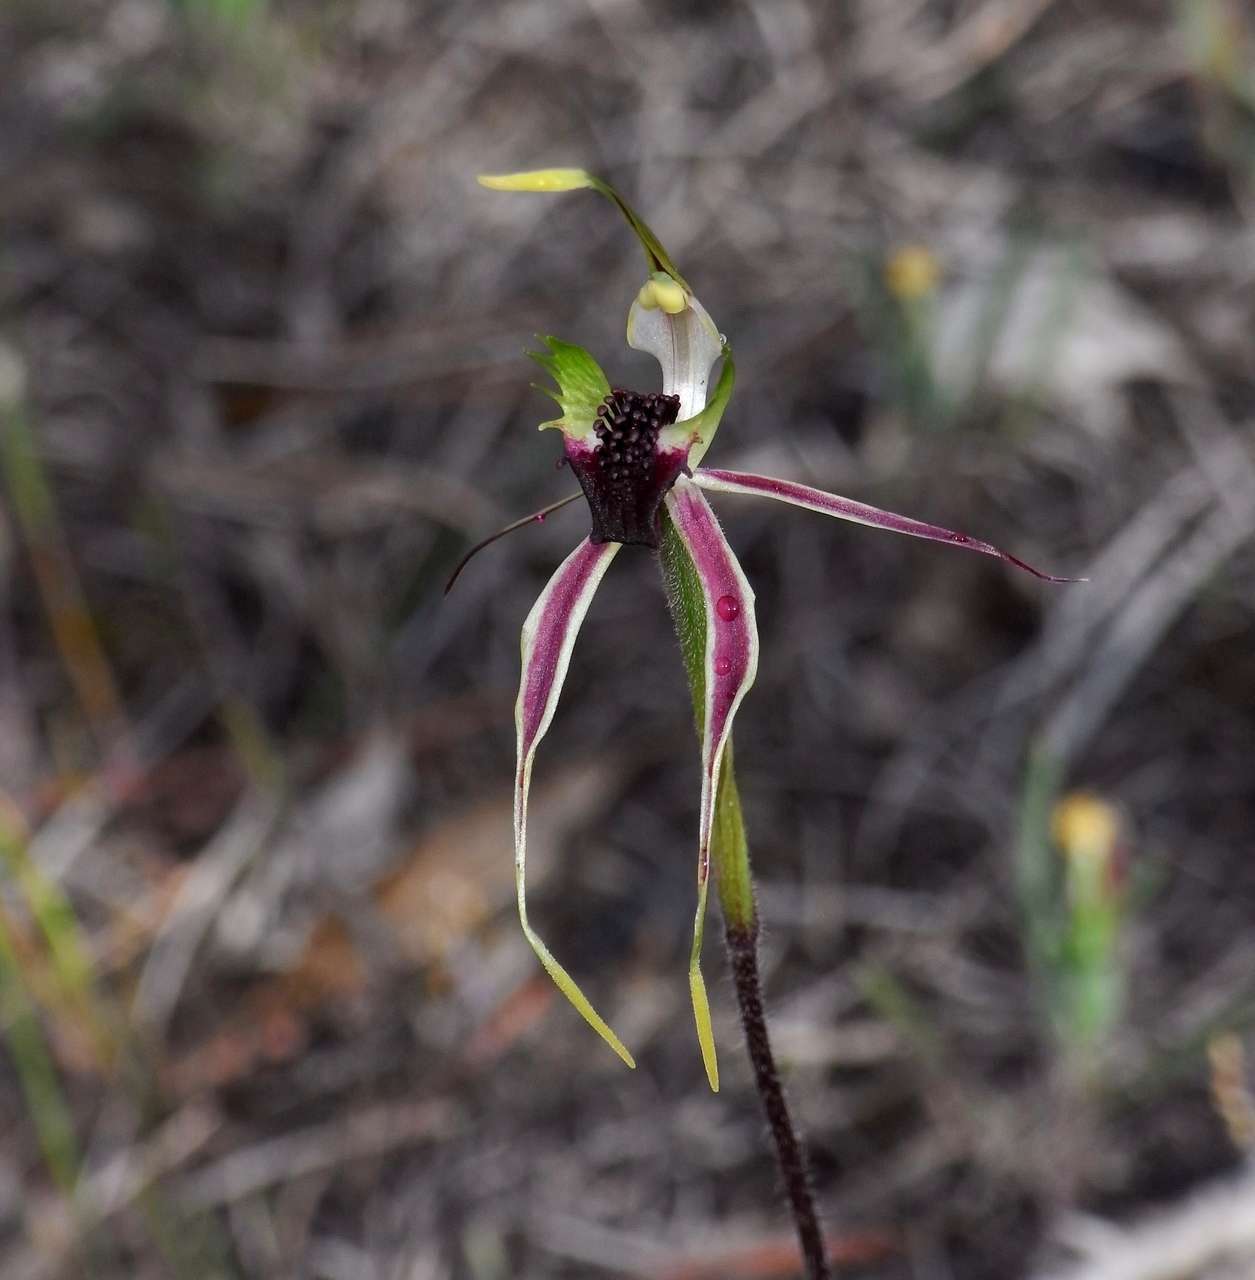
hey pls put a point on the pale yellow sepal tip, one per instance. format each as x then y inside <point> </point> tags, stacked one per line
<point>661,292</point>
<point>705,1032</point>
<point>570,988</point>
<point>537,180</point>
<point>592,1017</point>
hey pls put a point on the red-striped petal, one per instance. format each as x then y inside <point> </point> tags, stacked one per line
<point>548,638</point>
<point>832,504</point>
<point>731,662</point>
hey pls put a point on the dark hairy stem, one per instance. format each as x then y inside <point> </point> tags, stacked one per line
<point>735,884</point>
<point>790,1154</point>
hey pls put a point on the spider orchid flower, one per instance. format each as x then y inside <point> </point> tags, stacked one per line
<point>637,458</point>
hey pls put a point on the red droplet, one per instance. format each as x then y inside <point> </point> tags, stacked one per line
<point>540,518</point>
<point>727,607</point>
<point>723,666</point>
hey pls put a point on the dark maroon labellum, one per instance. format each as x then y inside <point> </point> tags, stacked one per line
<point>625,475</point>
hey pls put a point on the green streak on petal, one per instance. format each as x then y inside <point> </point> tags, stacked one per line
<point>688,613</point>
<point>729,850</point>
<point>549,180</point>
<point>701,427</point>
<point>582,385</point>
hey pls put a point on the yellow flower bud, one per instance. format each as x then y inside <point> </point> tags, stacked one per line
<point>1085,826</point>
<point>911,272</point>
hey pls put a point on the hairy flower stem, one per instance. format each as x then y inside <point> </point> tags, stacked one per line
<point>730,859</point>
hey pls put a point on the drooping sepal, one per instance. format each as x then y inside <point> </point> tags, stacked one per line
<point>626,474</point>
<point>730,663</point>
<point>547,641</point>
<point>581,386</point>
<point>832,504</point>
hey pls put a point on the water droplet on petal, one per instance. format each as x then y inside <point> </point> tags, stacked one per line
<point>728,607</point>
<point>723,666</point>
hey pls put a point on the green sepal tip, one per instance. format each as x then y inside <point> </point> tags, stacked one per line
<point>701,427</point>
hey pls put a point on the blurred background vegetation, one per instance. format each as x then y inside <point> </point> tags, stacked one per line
<point>264,1006</point>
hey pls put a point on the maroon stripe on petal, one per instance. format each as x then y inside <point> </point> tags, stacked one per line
<point>731,636</point>
<point>548,635</point>
<point>548,638</point>
<point>832,504</point>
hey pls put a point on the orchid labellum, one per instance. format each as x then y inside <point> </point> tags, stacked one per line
<point>637,456</point>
